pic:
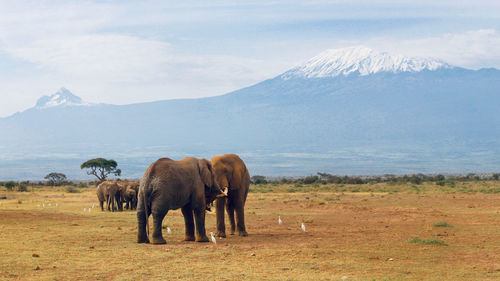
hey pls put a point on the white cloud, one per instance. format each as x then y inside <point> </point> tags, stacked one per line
<point>112,57</point>
<point>471,49</point>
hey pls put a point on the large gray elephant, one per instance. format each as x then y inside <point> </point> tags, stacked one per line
<point>231,174</point>
<point>168,185</point>
<point>109,191</point>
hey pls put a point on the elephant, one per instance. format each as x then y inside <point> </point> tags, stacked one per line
<point>101,195</point>
<point>129,196</point>
<point>108,191</point>
<point>231,174</point>
<point>169,185</point>
<point>133,186</point>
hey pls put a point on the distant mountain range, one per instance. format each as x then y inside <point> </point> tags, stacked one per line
<point>345,111</point>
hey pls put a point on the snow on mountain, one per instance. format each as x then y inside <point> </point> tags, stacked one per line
<point>361,60</point>
<point>63,97</point>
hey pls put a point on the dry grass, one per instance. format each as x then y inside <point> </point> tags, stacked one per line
<point>364,236</point>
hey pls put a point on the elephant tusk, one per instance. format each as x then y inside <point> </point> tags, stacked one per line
<point>224,192</point>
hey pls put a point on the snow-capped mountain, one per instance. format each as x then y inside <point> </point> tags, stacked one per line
<point>348,111</point>
<point>63,97</point>
<point>362,61</point>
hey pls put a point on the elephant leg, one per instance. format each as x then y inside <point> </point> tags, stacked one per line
<point>119,202</point>
<point>102,205</point>
<point>127,205</point>
<point>219,208</point>
<point>230,213</point>
<point>112,200</point>
<point>157,221</point>
<point>187,212</point>
<point>240,218</point>
<point>199,216</point>
<point>108,204</point>
<point>142,236</point>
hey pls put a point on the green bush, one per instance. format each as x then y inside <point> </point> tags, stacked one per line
<point>22,187</point>
<point>431,241</point>
<point>10,185</point>
<point>442,224</point>
<point>71,189</point>
<point>310,179</point>
<point>259,180</point>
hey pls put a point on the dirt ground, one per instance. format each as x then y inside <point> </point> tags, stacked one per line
<point>349,236</point>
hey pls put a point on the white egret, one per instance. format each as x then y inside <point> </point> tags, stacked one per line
<point>168,230</point>
<point>303,226</point>
<point>213,238</point>
<point>279,220</point>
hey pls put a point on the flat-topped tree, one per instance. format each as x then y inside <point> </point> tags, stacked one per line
<point>55,178</point>
<point>101,168</point>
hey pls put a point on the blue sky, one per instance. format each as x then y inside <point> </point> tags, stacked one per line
<point>133,51</point>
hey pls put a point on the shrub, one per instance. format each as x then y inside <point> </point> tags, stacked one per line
<point>22,187</point>
<point>259,180</point>
<point>439,178</point>
<point>431,241</point>
<point>442,224</point>
<point>10,185</point>
<point>416,179</point>
<point>310,179</point>
<point>71,189</point>
<point>285,180</point>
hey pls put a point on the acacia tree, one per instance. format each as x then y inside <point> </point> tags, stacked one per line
<point>10,185</point>
<point>55,178</point>
<point>101,168</point>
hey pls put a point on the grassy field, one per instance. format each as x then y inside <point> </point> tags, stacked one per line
<point>353,232</point>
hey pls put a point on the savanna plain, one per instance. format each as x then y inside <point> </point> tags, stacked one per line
<point>379,231</point>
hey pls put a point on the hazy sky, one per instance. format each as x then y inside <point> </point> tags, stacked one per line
<point>132,51</point>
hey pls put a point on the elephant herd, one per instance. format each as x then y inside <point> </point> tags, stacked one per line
<point>115,193</point>
<point>190,184</point>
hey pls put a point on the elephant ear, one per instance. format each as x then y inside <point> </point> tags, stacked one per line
<point>205,169</point>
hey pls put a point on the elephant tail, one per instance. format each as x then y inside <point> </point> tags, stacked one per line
<point>246,179</point>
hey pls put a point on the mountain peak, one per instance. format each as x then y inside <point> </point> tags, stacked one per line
<point>360,60</point>
<point>63,97</point>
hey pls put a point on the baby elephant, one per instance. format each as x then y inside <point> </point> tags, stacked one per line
<point>168,185</point>
<point>130,198</point>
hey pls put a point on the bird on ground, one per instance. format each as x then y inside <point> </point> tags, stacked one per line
<point>279,220</point>
<point>168,230</point>
<point>213,238</point>
<point>303,226</point>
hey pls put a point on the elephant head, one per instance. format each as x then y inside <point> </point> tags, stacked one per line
<point>212,189</point>
<point>223,175</point>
